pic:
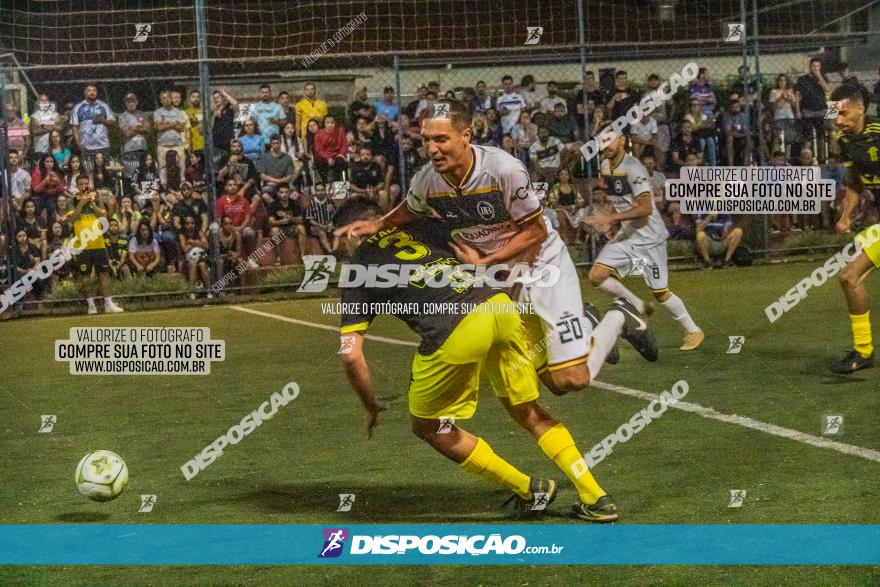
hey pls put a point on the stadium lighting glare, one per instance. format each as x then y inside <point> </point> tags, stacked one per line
<point>666,10</point>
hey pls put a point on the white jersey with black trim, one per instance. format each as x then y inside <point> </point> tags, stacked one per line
<point>486,209</point>
<point>623,184</point>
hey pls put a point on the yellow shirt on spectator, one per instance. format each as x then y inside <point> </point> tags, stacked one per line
<point>308,109</point>
<point>197,139</point>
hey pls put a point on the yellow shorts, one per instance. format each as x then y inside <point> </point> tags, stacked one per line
<point>446,383</point>
<point>869,239</point>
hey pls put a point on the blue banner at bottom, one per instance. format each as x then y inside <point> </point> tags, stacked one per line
<point>415,544</point>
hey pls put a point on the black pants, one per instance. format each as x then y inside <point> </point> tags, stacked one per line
<point>330,173</point>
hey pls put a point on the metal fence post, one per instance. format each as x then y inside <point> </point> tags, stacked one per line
<point>400,156</point>
<point>205,90</point>
<point>759,110</point>
<point>6,179</point>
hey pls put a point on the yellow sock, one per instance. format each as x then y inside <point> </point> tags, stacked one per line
<point>559,447</point>
<point>485,464</point>
<point>861,331</point>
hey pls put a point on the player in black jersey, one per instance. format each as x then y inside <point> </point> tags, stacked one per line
<point>465,328</point>
<point>860,154</point>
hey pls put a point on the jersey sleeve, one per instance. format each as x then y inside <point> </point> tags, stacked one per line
<point>417,196</point>
<point>519,197</point>
<point>356,310</point>
<point>637,176</point>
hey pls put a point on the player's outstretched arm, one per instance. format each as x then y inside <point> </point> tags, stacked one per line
<point>521,247</point>
<point>400,216</point>
<point>358,373</point>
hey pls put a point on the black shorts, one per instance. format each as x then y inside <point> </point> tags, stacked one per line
<point>96,259</point>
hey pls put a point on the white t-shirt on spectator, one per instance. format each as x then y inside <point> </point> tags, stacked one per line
<point>549,103</point>
<point>137,142</point>
<point>514,103</point>
<point>170,137</point>
<point>46,118</point>
<point>644,131</point>
<point>21,181</point>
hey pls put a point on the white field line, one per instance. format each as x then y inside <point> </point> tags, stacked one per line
<point>771,429</point>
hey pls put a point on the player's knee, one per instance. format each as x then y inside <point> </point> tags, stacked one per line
<point>571,379</point>
<point>736,232</point>
<point>597,276</point>
<point>661,295</point>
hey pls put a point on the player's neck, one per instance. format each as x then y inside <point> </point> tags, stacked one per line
<point>618,159</point>
<point>457,173</point>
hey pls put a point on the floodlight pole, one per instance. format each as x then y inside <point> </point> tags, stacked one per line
<point>207,120</point>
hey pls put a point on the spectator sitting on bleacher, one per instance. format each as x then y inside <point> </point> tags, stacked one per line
<point>717,237</point>
<point>286,216</point>
<point>683,145</point>
<point>190,207</point>
<point>32,225</point>
<point>275,168</point>
<point>331,148</point>
<point>643,136</point>
<point>319,215</point>
<point>387,106</point>
<point>251,139</point>
<point>483,100</point>
<point>562,125</point>
<point>524,132</point>
<point>117,250</point>
<point>25,258</point>
<point>549,102</point>
<point>679,225</point>
<point>480,133</point>
<point>46,184</point>
<point>230,244</point>
<point>158,211</point>
<point>20,180</point>
<point>368,178</point>
<point>193,247</point>
<point>548,156</point>
<point>232,203</point>
<point>737,133</point>
<point>238,164</point>
<point>508,144</point>
<point>495,127</point>
<point>62,209</point>
<point>412,109</point>
<point>143,250</point>
<point>530,92</point>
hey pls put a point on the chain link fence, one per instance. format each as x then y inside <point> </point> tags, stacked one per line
<point>345,85</point>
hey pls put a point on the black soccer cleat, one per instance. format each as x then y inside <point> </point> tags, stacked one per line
<point>851,363</point>
<point>592,314</point>
<point>635,330</point>
<point>542,492</point>
<point>601,512</point>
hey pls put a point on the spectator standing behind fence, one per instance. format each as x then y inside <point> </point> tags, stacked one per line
<point>223,107</point>
<point>784,103</point>
<point>44,120</point>
<point>171,126</point>
<point>331,148</point>
<point>18,135</point>
<point>135,127</point>
<point>387,106</point>
<point>194,114</point>
<point>594,98</point>
<point>621,98</point>
<point>289,111</point>
<point>509,105</point>
<point>268,114</point>
<point>310,107</point>
<point>812,91</point>
<point>415,106</point>
<point>89,120</point>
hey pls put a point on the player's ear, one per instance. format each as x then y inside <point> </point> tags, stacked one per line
<point>466,135</point>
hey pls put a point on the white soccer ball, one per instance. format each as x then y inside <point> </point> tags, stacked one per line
<point>101,475</point>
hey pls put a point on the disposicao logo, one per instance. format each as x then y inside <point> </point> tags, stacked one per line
<point>334,540</point>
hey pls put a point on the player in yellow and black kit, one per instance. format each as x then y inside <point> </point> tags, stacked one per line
<point>860,154</point>
<point>478,330</point>
<point>93,258</point>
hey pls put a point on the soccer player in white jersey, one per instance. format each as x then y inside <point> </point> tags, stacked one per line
<point>485,196</point>
<point>640,244</point>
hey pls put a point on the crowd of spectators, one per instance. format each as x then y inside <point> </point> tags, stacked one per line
<point>283,163</point>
